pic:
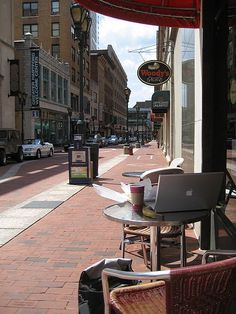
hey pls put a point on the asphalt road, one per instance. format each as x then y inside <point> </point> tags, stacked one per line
<point>21,181</point>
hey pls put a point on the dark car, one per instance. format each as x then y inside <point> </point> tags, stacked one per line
<point>98,139</point>
<point>104,141</point>
<point>10,145</point>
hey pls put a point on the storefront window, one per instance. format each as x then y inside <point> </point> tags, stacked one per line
<point>53,86</point>
<point>59,89</point>
<point>65,92</point>
<point>231,118</point>
<point>45,83</point>
<point>188,99</point>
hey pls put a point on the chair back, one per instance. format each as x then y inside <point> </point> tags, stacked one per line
<point>153,174</point>
<point>208,288</point>
<point>177,162</point>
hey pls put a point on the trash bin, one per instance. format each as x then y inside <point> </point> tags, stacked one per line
<point>126,149</point>
<point>90,284</point>
<point>94,154</point>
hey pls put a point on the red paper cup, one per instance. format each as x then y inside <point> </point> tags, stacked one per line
<point>137,196</point>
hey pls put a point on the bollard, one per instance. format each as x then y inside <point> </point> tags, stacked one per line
<point>131,150</point>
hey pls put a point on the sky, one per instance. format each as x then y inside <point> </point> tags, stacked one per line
<point>126,38</point>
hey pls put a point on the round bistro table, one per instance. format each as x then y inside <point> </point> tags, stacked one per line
<point>124,214</point>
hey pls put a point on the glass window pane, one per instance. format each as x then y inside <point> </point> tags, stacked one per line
<point>55,29</point>
<point>55,7</point>
<point>45,83</point>
<point>59,89</point>
<point>53,86</point>
<point>65,92</point>
<point>56,51</point>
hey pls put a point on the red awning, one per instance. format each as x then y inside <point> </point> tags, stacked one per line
<point>172,13</point>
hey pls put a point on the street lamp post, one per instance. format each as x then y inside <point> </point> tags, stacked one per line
<point>93,119</point>
<point>142,142</point>
<point>127,94</point>
<point>82,24</point>
<point>22,98</point>
<point>70,125</point>
<point>137,119</point>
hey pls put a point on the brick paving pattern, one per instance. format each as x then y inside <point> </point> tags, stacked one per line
<point>40,268</point>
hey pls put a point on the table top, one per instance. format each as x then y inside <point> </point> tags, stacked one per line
<point>132,174</point>
<point>124,213</point>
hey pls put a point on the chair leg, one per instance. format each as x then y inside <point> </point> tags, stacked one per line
<point>183,252</point>
<point>144,251</point>
<point>122,245</point>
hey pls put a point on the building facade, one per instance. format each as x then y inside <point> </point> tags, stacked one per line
<point>140,126</point>
<point>52,29</point>
<point>109,76</point>
<point>51,26</point>
<point>45,85</point>
<point>7,104</point>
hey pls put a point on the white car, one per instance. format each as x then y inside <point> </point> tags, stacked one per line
<point>113,140</point>
<point>37,148</point>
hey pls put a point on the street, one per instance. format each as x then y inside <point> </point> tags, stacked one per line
<point>20,181</point>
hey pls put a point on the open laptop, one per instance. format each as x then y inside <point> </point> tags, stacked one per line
<point>188,192</point>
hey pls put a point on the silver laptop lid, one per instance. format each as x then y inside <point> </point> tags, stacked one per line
<point>188,191</point>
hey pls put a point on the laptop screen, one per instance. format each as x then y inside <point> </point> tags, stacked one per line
<point>188,191</point>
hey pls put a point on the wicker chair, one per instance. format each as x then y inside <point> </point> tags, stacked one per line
<point>206,288</point>
<point>141,235</point>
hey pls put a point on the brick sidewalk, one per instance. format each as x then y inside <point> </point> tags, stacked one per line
<point>41,267</point>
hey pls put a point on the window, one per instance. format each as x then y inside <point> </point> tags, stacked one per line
<point>31,28</point>
<point>55,7</point>
<point>73,53</point>
<point>95,97</point>
<point>72,32</point>
<point>53,86</point>
<point>45,83</point>
<point>87,66</point>
<point>59,89</point>
<point>73,75</point>
<point>55,29</point>
<point>56,51</point>
<point>30,8</point>
<point>87,84</point>
<point>95,113</point>
<point>87,108</point>
<point>65,92</point>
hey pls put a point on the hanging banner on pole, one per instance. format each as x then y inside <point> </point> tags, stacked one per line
<point>35,77</point>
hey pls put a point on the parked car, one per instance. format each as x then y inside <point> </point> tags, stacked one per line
<point>98,139</point>
<point>10,145</point>
<point>104,141</point>
<point>37,148</point>
<point>121,140</point>
<point>113,140</point>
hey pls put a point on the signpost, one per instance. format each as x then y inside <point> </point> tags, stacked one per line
<point>161,101</point>
<point>154,72</point>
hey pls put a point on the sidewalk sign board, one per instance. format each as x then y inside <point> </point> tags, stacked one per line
<point>79,166</point>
